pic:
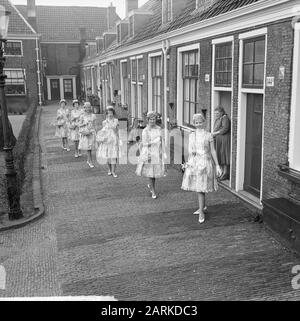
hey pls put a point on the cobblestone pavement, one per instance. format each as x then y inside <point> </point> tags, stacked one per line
<point>105,236</point>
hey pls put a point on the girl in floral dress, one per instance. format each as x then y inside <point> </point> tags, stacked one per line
<point>108,139</point>
<point>152,157</point>
<point>87,137</point>
<point>74,126</point>
<point>202,168</point>
<point>62,124</point>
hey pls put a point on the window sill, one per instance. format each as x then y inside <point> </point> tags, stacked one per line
<point>289,173</point>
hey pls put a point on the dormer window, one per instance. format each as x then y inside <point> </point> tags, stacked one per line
<point>119,33</point>
<point>131,26</point>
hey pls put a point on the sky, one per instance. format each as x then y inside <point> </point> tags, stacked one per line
<point>119,4</point>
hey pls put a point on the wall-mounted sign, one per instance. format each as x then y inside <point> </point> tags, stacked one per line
<point>270,81</point>
<point>207,77</point>
<point>281,72</point>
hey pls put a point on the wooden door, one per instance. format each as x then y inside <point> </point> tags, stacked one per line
<point>68,89</point>
<point>55,90</point>
<point>253,155</point>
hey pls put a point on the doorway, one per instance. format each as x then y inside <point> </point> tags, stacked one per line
<point>68,89</point>
<point>253,144</point>
<point>55,90</point>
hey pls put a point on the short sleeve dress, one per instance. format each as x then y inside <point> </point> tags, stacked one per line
<point>200,173</point>
<point>62,123</point>
<point>108,138</point>
<point>87,132</point>
<point>223,140</point>
<point>151,161</point>
<point>74,124</point>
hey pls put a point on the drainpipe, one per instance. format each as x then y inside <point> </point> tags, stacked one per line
<point>165,49</point>
<point>37,49</point>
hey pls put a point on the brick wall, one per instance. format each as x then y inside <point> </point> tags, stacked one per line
<point>27,62</point>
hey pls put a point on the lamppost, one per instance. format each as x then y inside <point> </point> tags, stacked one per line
<point>13,192</point>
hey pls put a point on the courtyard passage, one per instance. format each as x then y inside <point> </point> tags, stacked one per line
<point>106,236</point>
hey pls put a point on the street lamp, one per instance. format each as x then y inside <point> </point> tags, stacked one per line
<point>13,192</point>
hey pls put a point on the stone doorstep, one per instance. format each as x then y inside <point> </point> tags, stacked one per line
<point>39,210</point>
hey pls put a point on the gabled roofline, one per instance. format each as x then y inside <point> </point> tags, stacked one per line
<point>20,14</point>
<point>155,42</point>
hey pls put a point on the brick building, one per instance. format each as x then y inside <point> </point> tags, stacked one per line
<point>65,31</point>
<point>22,67</point>
<point>181,57</point>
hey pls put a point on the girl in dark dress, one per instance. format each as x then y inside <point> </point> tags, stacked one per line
<point>222,139</point>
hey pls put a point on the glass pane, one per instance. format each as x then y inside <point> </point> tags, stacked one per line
<point>248,74</point>
<point>248,52</point>
<point>260,51</point>
<point>186,93</point>
<point>186,117</point>
<point>259,74</point>
<point>193,90</point>
<point>192,112</point>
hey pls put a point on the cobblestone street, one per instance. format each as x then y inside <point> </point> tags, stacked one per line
<point>106,236</point>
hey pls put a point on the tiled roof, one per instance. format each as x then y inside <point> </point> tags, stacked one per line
<point>62,23</point>
<point>17,25</point>
<point>188,16</point>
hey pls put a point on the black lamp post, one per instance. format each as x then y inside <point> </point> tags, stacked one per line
<point>13,191</point>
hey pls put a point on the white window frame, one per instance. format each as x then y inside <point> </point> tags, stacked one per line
<point>180,52</point>
<point>241,118</point>
<point>216,90</point>
<point>20,41</point>
<point>294,145</point>
<point>25,85</point>
<point>150,89</point>
<point>121,80</point>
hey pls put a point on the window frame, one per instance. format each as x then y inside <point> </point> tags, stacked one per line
<point>156,79</point>
<point>17,41</point>
<point>189,79</point>
<point>229,71</point>
<point>16,84</point>
<point>253,40</point>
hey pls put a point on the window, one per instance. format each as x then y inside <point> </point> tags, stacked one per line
<point>156,74</point>
<point>15,82</point>
<point>13,48</point>
<point>133,70</point>
<point>190,72</point>
<point>254,62</point>
<point>223,65</point>
<point>124,80</point>
<point>140,70</point>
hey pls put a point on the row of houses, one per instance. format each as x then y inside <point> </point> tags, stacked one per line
<point>180,57</point>
<point>45,45</point>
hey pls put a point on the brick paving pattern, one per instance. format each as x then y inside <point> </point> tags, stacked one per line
<point>105,236</point>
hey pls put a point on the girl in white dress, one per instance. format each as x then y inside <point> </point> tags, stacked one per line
<point>87,137</point>
<point>202,168</point>
<point>152,158</point>
<point>75,115</point>
<point>108,140</point>
<point>62,124</point>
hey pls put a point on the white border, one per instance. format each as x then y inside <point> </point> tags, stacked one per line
<point>241,119</point>
<point>150,56</point>
<point>180,51</point>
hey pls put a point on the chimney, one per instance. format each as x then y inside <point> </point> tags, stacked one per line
<point>83,38</point>
<point>131,5</point>
<point>31,13</point>
<point>111,16</point>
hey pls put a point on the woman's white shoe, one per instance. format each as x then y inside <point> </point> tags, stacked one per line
<point>198,211</point>
<point>201,218</point>
<point>91,165</point>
